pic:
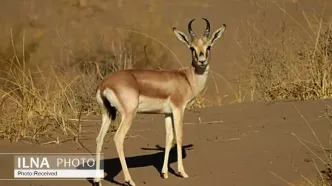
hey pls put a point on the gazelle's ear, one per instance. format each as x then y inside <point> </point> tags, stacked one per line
<point>181,36</point>
<point>217,34</point>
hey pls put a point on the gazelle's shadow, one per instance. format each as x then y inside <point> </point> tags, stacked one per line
<point>112,167</point>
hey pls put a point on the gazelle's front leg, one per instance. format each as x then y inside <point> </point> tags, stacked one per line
<point>178,126</point>
<point>168,145</point>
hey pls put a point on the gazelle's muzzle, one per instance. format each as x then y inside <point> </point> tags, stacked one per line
<point>202,60</point>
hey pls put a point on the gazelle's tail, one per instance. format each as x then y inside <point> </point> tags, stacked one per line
<point>110,109</point>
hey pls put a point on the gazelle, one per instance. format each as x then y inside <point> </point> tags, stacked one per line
<point>161,92</point>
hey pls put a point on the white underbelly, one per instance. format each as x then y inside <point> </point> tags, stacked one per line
<point>153,105</point>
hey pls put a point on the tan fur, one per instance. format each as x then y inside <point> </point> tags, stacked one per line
<point>179,86</point>
<point>150,91</point>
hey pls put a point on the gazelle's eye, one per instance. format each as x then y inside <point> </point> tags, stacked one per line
<point>208,48</point>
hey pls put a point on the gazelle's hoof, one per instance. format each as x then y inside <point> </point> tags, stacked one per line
<point>164,175</point>
<point>130,183</point>
<point>97,183</point>
<point>183,174</point>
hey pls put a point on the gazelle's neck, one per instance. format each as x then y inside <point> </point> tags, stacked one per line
<point>198,78</point>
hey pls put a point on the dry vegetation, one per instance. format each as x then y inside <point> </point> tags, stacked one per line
<point>37,100</point>
<point>42,103</point>
<point>291,66</point>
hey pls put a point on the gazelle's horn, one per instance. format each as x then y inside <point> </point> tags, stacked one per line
<point>207,29</point>
<point>191,32</point>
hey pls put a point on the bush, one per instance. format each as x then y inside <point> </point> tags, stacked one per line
<point>290,69</point>
<point>38,103</point>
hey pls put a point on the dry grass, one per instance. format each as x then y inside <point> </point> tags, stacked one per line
<point>44,103</point>
<point>38,100</point>
<point>37,104</point>
<point>290,67</point>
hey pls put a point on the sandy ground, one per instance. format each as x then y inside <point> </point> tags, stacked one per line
<point>244,144</point>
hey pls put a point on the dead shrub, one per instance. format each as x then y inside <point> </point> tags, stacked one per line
<point>41,104</point>
<point>290,68</point>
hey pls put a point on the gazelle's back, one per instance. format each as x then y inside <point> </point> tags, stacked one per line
<point>154,90</point>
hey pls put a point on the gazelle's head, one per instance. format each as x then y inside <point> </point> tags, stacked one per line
<point>200,46</point>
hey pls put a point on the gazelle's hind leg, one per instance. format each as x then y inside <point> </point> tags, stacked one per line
<point>106,121</point>
<point>127,105</point>
<point>119,137</point>
<point>168,145</point>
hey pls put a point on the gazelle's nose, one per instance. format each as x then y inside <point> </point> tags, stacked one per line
<point>202,62</point>
<point>202,59</point>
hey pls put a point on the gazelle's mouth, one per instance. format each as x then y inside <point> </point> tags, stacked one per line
<point>202,65</point>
